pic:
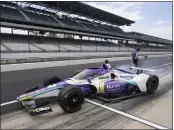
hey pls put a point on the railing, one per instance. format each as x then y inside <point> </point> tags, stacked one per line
<point>80,48</point>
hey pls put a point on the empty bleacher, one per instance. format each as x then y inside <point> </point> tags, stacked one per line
<point>145,37</point>
<point>46,18</point>
<point>68,47</point>
<point>107,29</point>
<point>28,15</point>
<point>17,46</point>
<point>88,48</point>
<point>91,27</point>
<point>68,23</point>
<point>11,13</point>
<point>3,49</point>
<point>18,43</point>
<point>47,47</point>
<point>102,48</point>
<point>21,47</point>
<point>42,19</point>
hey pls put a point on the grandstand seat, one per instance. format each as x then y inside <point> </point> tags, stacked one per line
<point>110,30</point>
<point>67,22</point>
<point>58,22</point>
<point>42,19</point>
<point>69,47</point>
<point>88,48</point>
<point>91,27</point>
<point>17,46</point>
<point>3,49</point>
<point>102,48</point>
<point>11,13</point>
<point>47,46</point>
<point>124,49</point>
<point>20,46</point>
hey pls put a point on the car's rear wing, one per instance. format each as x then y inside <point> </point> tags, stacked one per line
<point>140,70</point>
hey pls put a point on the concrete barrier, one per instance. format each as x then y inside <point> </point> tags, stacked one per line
<point>64,58</point>
<point>36,65</point>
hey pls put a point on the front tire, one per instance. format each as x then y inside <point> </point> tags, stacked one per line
<point>152,84</point>
<point>71,99</point>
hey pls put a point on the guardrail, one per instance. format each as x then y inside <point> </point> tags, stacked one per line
<point>32,60</point>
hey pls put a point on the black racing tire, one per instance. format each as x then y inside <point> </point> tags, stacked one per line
<point>152,84</point>
<point>51,80</point>
<point>71,99</point>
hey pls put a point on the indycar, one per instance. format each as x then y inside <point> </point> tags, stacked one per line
<point>70,93</point>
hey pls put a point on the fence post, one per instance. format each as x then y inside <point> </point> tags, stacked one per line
<point>28,42</point>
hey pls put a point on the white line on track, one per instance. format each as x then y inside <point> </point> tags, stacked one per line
<point>3,104</point>
<point>149,123</point>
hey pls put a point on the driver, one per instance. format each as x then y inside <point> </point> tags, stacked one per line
<point>107,65</point>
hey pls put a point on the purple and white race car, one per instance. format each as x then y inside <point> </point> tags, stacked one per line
<point>70,93</point>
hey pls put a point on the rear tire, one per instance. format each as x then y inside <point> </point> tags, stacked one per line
<point>152,84</point>
<point>51,80</point>
<point>71,99</point>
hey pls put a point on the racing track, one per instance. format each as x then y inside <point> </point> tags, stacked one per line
<point>14,83</point>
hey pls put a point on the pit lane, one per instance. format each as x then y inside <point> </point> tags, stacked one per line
<point>14,83</point>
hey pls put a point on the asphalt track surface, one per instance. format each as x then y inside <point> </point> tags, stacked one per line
<point>14,83</point>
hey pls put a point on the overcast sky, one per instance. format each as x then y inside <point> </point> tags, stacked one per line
<point>153,18</point>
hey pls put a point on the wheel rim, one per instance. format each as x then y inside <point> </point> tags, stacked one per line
<point>73,100</point>
<point>153,85</point>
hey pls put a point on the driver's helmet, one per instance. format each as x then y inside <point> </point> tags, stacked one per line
<point>106,61</point>
<point>107,65</point>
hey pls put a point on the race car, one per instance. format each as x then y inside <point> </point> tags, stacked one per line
<point>70,93</point>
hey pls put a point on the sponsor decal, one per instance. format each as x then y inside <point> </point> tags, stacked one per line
<point>105,77</point>
<point>114,86</point>
<point>41,109</point>
<point>26,98</point>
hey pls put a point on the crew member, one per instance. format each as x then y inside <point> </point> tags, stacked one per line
<point>135,56</point>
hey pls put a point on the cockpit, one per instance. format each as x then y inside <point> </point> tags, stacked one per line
<point>89,72</point>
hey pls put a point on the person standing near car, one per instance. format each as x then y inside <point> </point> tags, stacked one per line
<point>135,56</point>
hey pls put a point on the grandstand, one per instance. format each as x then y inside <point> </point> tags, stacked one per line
<point>69,27</point>
<point>19,43</point>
